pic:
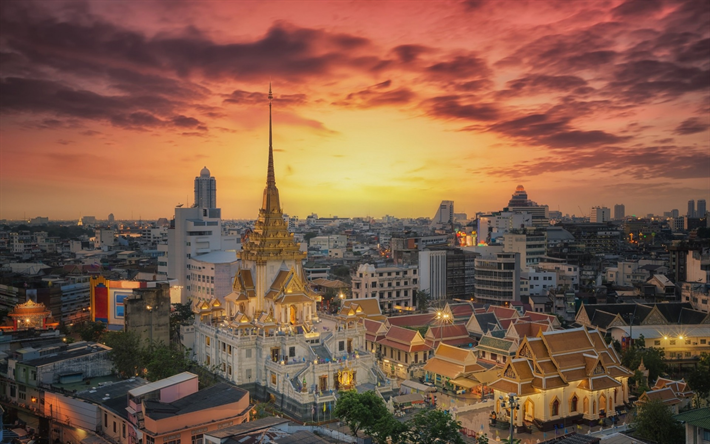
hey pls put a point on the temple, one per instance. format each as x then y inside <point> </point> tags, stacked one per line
<point>267,336</point>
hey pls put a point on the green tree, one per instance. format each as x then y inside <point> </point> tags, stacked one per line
<point>654,421</point>
<point>422,301</point>
<point>387,429</point>
<point>698,379</point>
<point>126,353</point>
<point>163,361</point>
<point>341,271</point>
<point>435,426</point>
<point>360,411</point>
<point>482,439</point>
<point>308,236</point>
<point>181,314</point>
<point>92,331</point>
<point>652,360</point>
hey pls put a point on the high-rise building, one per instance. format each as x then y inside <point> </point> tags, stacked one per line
<point>205,190</point>
<point>111,218</point>
<point>691,208</point>
<point>675,213</point>
<point>498,279</point>
<point>600,214</point>
<point>702,209</point>
<point>445,214</point>
<point>619,211</point>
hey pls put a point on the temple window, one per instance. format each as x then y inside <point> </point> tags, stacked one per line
<point>555,407</point>
<point>573,404</point>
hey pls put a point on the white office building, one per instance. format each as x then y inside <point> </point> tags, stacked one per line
<point>432,273</point>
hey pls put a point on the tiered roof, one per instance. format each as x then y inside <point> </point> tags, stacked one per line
<point>453,362</point>
<point>668,391</point>
<point>557,358</point>
<point>605,316</point>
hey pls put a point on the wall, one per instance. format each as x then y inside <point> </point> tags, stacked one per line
<point>148,313</point>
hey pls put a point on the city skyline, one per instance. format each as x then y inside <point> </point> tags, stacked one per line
<point>378,108</point>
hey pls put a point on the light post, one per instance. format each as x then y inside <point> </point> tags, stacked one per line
<point>514,403</point>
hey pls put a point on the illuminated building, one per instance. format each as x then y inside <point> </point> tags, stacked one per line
<point>267,336</point>
<point>562,377</point>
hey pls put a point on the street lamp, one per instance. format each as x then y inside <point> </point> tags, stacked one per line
<point>514,403</point>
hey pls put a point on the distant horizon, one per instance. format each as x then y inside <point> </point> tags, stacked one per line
<point>379,107</point>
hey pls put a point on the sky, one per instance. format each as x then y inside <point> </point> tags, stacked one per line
<point>380,107</point>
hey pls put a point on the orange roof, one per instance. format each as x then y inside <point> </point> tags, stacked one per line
<point>415,320</point>
<point>503,313</point>
<point>402,335</point>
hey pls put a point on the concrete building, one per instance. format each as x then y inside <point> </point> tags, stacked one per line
<point>567,274</point>
<point>104,239</point>
<point>148,313</point>
<point>498,279</point>
<point>600,215</point>
<point>205,190</point>
<point>432,271</point>
<point>211,275</point>
<point>193,232</point>
<point>444,214</point>
<point>394,287</point>
<point>691,208</point>
<point>619,212</point>
<point>701,210</point>
<point>531,245</point>
<point>519,203</point>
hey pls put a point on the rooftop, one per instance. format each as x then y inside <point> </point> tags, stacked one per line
<point>215,396</point>
<point>157,385</point>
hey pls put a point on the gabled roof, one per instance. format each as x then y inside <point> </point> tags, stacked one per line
<point>414,320</point>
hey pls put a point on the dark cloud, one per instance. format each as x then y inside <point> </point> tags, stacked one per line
<point>637,8</point>
<point>459,67</point>
<point>259,98</point>
<point>534,84</point>
<point>691,126</point>
<point>645,80</point>
<point>644,163</point>
<point>409,53</point>
<point>43,96</point>
<point>378,95</point>
<point>450,107</point>
<point>553,132</point>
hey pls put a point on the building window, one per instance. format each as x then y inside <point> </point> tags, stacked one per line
<point>292,352</point>
<point>573,404</point>
<point>555,407</point>
<point>273,378</point>
<point>341,345</point>
<point>207,341</point>
<point>105,420</point>
<point>149,440</point>
<point>207,360</point>
<point>687,354</point>
<point>197,439</point>
<point>687,342</point>
<point>124,429</point>
<point>249,374</point>
<point>656,342</point>
<point>229,370</point>
<point>114,427</point>
<point>248,353</point>
<point>229,349</point>
<point>672,341</point>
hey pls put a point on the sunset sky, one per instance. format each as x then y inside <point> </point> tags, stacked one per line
<point>380,107</point>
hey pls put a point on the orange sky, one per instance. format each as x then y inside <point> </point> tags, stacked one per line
<point>380,107</point>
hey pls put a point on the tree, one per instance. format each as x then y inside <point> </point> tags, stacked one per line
<point>435,426</point>
<point>387,430</point>
<point>341,271</point>
<point>654,421</point>
<point>126,353</point>
<point>698,378</point>
<point>92,331</point>
<point>163,361</point>
<point>652,360</point>
<point>181,314</point>
<point>308,236</point>
<point>422,301</point>
<point>360,411</point>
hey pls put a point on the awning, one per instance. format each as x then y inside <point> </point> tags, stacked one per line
<point>464,382</point>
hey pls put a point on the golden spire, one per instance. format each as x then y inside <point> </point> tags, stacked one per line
<point>271,177</point>
<point>271,202</point>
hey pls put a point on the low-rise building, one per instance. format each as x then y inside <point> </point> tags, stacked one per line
<point>394,287</point>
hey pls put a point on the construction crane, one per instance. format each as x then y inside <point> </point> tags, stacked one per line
<point>583,213</point>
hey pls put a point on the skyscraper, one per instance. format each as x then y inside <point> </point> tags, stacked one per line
<point>619,211</point>
<point>691,208</point>
<point>205,190</point>
<point>702,209</point>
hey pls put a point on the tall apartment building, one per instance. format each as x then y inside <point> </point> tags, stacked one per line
<point>394,287</point>
<point>619,212</point>
<point>194,232</point>
<point>498,279</point>
<point>519,203</point>
<point>691,208</point>
<point>600,214</point>
<point>205,190</point>
<point>702,209</point>
<point>447,272</point>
